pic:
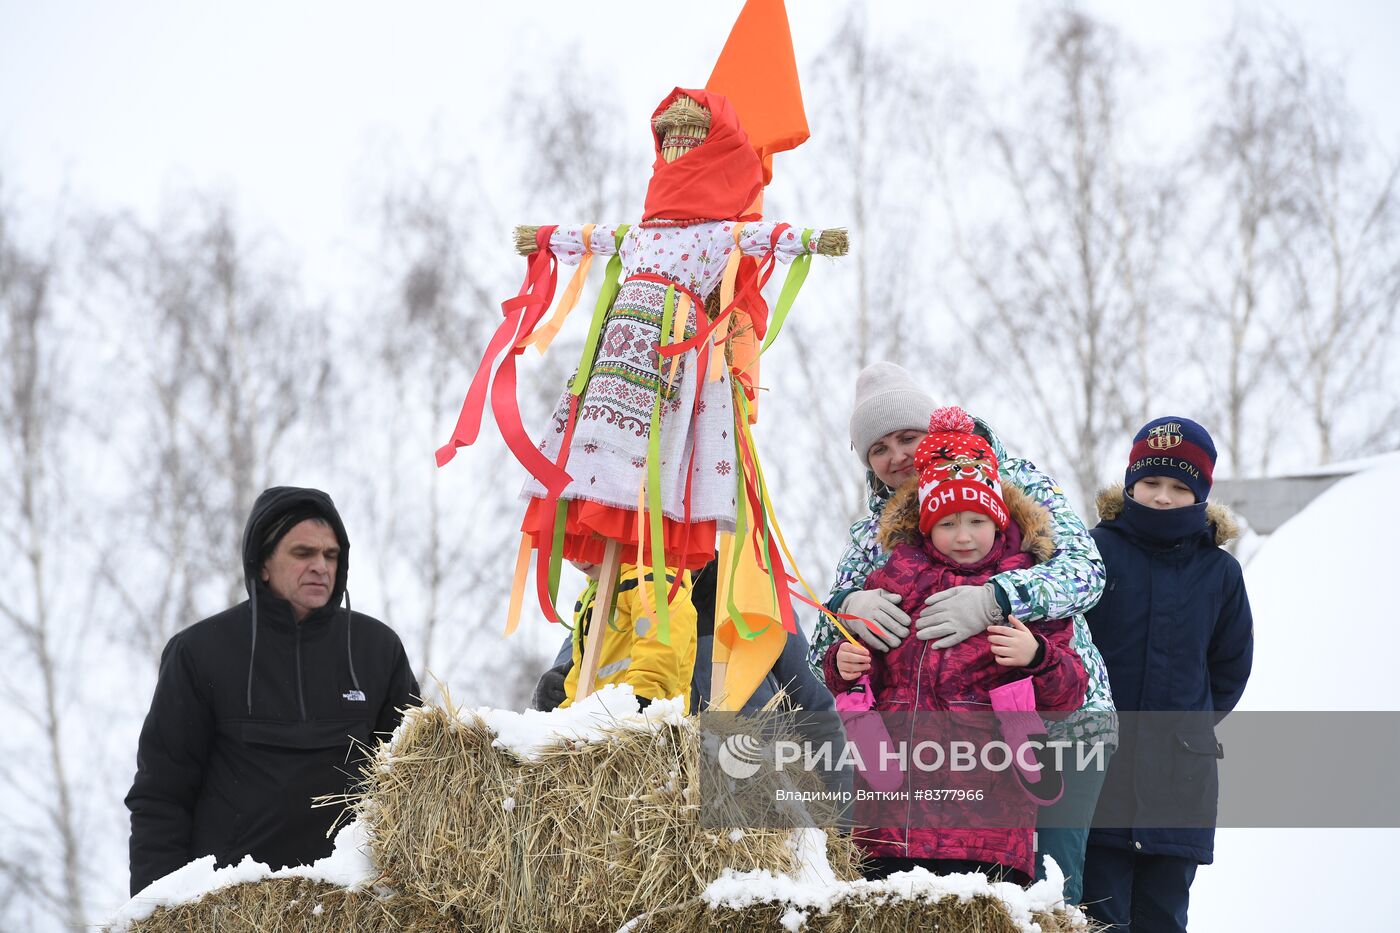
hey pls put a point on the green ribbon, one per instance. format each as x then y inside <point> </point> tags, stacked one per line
<point>764,502</point>
<point>556,553</point>
<point>658,537</point>
<point>741,533</point>
<point>797,274</point>
<point>606,296</point>
<point>585,602</point>
<point>741,519</point>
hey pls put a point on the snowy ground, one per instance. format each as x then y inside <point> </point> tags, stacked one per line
<point>1314,586</point>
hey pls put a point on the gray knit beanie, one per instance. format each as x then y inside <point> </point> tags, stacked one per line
<point>886,400</point>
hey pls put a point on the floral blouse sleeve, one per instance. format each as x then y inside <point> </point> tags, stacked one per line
<point>567,242</point>
<point>757,239</point>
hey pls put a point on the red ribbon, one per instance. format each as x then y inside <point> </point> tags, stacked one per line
<point>522,315</point>
<point>752,287</point>
<point>544,545</point>
<point>782,581</point>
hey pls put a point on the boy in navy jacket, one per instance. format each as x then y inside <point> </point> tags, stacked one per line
<point>1176,634</point>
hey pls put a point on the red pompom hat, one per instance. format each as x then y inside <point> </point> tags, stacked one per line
<point>957,471</point>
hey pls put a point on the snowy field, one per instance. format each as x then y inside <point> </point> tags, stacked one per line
<point>1313,585</point>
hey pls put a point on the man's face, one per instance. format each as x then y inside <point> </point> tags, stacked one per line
<point>302,568</point>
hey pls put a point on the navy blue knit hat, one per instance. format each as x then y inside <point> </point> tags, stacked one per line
<point>1175,447</point>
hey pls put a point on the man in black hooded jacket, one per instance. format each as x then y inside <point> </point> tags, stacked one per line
<point>261,708</point>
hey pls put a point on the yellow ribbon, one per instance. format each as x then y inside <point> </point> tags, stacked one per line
<point>678,334</point>
<point>545,333</point>
<point>647,608</point>
<point>742,423</point>
<point>726,298</point>
<point>517,587</point>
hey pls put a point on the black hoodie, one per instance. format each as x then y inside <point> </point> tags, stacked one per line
<point>254,715</point>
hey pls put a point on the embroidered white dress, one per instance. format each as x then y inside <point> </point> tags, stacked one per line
<point>607,460</point>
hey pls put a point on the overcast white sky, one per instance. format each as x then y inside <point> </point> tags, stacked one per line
<point>282,103</point>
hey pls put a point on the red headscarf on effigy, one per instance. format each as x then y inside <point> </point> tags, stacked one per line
<point>717,180</point>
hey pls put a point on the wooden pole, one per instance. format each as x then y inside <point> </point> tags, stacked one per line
<point>601,618</point>
<point>719,671</point>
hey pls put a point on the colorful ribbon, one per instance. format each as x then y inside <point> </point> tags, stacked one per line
<point>753,287</point>
<point>658,537</point>
<point>797,274</point>
<point>521,314</point>
<point>546,333</point>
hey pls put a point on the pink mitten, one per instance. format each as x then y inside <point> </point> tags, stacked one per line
<point>1014,704</point>
<point>866,731</point>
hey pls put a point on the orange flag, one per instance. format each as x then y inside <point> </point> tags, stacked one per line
<point>757,71</point>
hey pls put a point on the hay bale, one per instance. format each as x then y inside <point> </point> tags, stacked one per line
<point>297,905</point>
<point>582,835</point>
<point>914,900</point>
<point>978,915</point>
<point>478,829</point>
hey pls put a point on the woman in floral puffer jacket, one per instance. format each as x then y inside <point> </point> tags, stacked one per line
<point>955,526</point>
<point>1068,584</point>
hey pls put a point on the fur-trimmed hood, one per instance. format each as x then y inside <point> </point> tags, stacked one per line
<point>900,522</point>
<point>1224,527</point>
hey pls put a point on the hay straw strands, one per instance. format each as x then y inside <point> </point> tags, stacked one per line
<point>833,242</point>
<point>681,127</point>
<point>300,906</point>
<point>296,905</point>
<point>684,111</point>
<point>584,837</point>
<point>865,914</point>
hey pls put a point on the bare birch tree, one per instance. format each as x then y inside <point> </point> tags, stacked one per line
<point>41,533</point>
<point>1066,277</point>
<point>875,108</point>
<point>1249,158</point>
<point>434,305</point>
<point>230,366</point>
<point>1343,267</point>
<point>579,160</point>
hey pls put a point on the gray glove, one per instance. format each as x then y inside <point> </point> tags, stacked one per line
<point>549,692</point>
<point>881,608</point>
<point>957,614</point>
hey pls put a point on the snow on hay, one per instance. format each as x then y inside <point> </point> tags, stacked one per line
<point>582,819</point>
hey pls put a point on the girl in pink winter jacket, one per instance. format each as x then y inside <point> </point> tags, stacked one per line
<point>956,526</point>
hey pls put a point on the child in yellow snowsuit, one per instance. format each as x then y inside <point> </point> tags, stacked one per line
<point>632,654</point>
